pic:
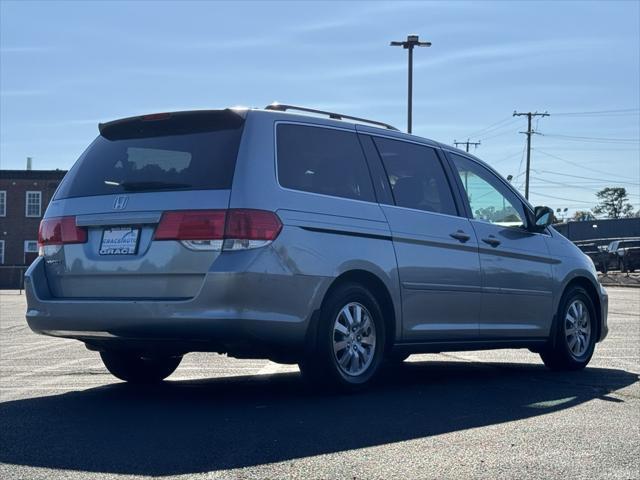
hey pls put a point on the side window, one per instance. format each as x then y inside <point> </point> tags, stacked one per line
<point>416,176</point>
<point>489,199</point>
<point>323,160</point>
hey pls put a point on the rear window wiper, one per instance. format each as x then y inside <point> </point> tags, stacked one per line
<point>147,185</point>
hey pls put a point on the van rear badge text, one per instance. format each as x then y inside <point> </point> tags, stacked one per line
<point>120,203</point>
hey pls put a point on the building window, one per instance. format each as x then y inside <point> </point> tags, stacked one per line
<point>30,251</point>
<point>1,252</point>
<point>33,205</point>
<point>3,203</point>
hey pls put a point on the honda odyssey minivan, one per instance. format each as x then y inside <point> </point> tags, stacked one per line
<point>305,237</point>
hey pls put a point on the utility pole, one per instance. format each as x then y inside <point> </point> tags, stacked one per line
<point>467,143</point>
<point>408,44</point>
<point>529,132</point>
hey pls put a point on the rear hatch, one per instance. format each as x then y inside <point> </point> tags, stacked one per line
<point>116,227</point>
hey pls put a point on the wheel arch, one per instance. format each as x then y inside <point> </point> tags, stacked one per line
<point>380,291</point>
<point>586,284</point>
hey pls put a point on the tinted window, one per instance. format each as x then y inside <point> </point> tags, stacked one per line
<point>630,243</point>
<point>176,154</point>
<point>416,176</point>
<point>323,160</point>
<point>490,200</point>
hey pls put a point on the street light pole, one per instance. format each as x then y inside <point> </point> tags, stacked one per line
<point>410,91</point>
<point>411,42</point>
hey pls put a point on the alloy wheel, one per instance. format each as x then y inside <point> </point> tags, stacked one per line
<point>577,327</point>
<point>354,339</point>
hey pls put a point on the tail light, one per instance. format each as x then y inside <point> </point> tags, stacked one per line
<point>234,229</point>
<point>192,225</point>
<point>250,229</point>
<point>58,231</point>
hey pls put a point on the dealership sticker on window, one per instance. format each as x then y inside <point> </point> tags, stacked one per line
<point>119,241</point>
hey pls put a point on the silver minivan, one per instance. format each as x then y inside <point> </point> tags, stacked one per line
<point>304,237</point>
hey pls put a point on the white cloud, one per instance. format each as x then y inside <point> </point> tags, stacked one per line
<point>504,51</point>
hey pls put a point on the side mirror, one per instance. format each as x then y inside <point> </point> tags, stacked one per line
<point>543,217</point>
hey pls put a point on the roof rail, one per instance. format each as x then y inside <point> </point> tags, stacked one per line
<point>280,107</point>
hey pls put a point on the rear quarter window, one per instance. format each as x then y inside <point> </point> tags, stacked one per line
<point>322,160</point>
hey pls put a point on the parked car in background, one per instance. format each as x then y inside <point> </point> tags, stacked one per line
<point>624,255</point>
<point>597,253</point>
<point>304,239</point>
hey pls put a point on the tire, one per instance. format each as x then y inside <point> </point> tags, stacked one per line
<point>573,351</point>
<point>134,368</point>
<point>346,360</point>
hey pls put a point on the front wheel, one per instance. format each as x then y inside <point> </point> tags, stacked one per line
<point>575,333</point>
<point>134,368</point>
<point>350,342</point>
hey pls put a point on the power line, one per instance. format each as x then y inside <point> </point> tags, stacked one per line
<point>572,148</point>
<point>493,126</point>
<point>586,178</point>
<point>529,132</point>
<point>562,198</point>
<point>574,163</point>
<point>524,149</point>
<point>591,139</point>
<point>504,132</point>
<point>514,154</point>
<point>626,111</point>
<point>591,187</point>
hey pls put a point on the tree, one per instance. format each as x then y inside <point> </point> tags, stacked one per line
<point>582,216</point>
<point>614,203</point>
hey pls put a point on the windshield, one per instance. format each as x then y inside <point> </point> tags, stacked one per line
<point>129,158</point>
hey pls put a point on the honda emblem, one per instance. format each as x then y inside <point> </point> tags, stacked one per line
<point>120,203</point>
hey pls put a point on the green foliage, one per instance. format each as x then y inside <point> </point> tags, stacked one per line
<point>614,203</point>
<point>505,215</point>
<point>582,216</point>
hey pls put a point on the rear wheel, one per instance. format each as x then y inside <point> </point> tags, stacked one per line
<point>350,343</point>
<point>575,333</point>
<point>134,368</point>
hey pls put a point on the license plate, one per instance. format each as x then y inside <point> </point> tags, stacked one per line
<point>119,241</point>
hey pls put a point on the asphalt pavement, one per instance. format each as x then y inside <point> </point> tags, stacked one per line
<point>497,414</point>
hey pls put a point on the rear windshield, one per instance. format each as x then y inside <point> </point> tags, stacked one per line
<point>181,152</point>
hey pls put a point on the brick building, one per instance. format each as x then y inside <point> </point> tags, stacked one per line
<point>24,196</point>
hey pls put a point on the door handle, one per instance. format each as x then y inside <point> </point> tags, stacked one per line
<point>460,235</point>
<point>491,240</point>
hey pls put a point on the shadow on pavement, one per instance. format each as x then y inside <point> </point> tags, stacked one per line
<point>197,426</point>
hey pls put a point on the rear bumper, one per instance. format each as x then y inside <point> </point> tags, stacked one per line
<point>244,314</point>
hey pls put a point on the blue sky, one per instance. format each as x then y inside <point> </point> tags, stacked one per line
<point>65,66</point>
